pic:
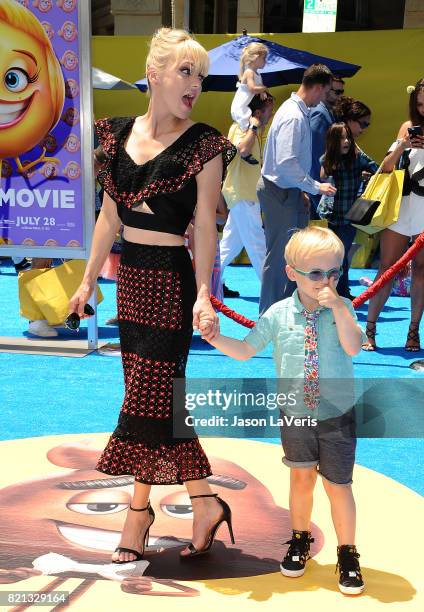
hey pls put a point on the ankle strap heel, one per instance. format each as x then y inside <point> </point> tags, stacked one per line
<point>225,518</point>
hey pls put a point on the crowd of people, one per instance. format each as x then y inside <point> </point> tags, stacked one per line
<point>163,175</point>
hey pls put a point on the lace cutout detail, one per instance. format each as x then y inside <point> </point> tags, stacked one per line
<point>168,172</point>
<point>143,208</point>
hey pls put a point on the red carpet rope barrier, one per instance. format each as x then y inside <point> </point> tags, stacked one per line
<point>358,301</point>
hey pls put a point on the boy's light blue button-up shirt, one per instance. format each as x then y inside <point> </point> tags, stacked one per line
<point>283,324</point>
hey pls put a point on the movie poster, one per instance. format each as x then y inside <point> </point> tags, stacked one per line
<point>41,188</point>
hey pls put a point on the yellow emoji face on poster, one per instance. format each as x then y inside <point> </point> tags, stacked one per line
<point>32,87</point>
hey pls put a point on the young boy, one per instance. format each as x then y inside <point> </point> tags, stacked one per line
<point>315,334</point>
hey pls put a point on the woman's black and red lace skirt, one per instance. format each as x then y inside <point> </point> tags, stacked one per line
<point>156,292</point>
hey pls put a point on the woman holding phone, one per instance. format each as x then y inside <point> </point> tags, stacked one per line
<point>395,239</point>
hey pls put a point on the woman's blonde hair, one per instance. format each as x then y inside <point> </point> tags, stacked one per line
<point>19,17</point>
<point>312,241</point>
<point>250,53</point>
<point>170,43</point>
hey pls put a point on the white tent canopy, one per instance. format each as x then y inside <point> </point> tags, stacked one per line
<point>104,80</point>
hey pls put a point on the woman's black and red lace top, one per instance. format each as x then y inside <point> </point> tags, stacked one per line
<point>166,183</point>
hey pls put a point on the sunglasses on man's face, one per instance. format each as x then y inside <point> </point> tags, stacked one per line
<point>319,275</point>
<point>363,124</point>
<point>73,321</point>
<point>338,92</point>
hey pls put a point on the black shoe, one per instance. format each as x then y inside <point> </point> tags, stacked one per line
<point>138,554</point>
<point>350,581</point>
<point>225,518</point>
<point>250,160</point>
<point>23,265</point>
<point>229,292</point>
<point>293,564</point>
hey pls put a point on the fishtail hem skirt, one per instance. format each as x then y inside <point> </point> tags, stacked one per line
<point>156,291</point>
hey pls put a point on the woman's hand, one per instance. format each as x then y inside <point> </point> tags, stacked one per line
<point>80,299</point>
<point>205,318</point>
<point>416,142</point>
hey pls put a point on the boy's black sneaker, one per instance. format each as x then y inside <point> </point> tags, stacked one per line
<point>294,562</point>
<point>350,581</point>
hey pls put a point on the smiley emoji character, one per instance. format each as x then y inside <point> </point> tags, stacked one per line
<point>71,88</point>
<point>49,170</point>
<point>32,88</point>
<point>67,5</point>
<point>70,116</point>
<point>72,144</point>
<point>48,28</point>
<point>72,170</point>
<point>49,142</point>
<point>69,60</point>
<point>44,6</point>
<point>68,31</point>
<point>6,169</point>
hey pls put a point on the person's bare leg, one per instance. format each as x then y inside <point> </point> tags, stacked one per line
<point>206,512</point>
<point>417,301</point>
<point>343,511</point>
<point>302,484</point>
<point>392,247</point>
<point>136,524</point>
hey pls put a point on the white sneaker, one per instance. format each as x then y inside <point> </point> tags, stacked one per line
<point>42,329</point>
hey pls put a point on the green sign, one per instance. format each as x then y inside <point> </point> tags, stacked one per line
<point>319,15</point>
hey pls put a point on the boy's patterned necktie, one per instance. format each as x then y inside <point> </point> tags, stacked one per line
<point>311,373</point>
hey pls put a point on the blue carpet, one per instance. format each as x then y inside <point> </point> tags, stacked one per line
<point>42,395</point>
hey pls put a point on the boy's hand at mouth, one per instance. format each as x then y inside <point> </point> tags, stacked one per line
<point>328,296</point>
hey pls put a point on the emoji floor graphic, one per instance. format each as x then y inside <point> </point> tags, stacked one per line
<point>60,520</point>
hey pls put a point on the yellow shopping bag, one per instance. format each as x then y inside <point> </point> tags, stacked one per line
<point>368,246</point>
<point>28,305</point>
<point>386,188</point>
<point>45,294</point>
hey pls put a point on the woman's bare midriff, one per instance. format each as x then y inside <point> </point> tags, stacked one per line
<point>140,236</point>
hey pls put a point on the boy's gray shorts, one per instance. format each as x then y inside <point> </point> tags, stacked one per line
<point>330,445</point>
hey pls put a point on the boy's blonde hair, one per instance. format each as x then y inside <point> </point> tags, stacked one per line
<point>250,53</point>
<point>169,43</point>
<point>312,241</point>
<point>20,18</point>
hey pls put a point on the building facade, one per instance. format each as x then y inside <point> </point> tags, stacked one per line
<point>134,17</point>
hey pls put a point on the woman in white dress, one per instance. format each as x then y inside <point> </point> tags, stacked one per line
<point>395,239</point>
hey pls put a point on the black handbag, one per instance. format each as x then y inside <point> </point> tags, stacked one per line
<point>362,211</point>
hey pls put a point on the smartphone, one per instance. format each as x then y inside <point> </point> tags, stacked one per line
<point>415,130</point>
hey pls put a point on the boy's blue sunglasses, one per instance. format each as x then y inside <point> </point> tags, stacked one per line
<point>319,275</point>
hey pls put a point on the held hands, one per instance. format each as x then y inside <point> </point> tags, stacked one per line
<point>328,296</point>
<point>327,189</point>
<point>205,318</point>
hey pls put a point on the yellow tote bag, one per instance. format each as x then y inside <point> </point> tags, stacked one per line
<point>28,306</point>
<point>387,189</point>
<point>51,290</point>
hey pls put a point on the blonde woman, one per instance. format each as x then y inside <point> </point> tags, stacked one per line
<point>161,166</point>
<point>252,58</point>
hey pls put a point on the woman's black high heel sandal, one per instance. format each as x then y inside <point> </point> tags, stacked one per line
<point>370,332</point>
<point>138,555</point>
<point>413,338</point>
<point>226,518</point>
